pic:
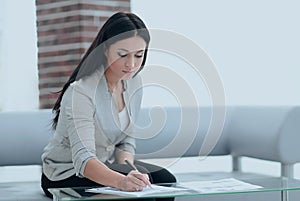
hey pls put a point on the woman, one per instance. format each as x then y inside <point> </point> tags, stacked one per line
<point>95,112</point>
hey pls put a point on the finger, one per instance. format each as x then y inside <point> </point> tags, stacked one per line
<point>137,180</point>
<point>144,178</point>
<point>131,186</point>
<point>147,176</point>
<point>138,188</point>
<point>148,183</point>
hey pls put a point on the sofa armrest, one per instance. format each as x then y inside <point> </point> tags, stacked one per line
<point>266,132</point>
<point>23,135</point>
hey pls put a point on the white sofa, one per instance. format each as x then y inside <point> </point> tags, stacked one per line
<point>263,132</point>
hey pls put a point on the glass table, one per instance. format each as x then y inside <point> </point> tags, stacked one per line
<point>268,184</point>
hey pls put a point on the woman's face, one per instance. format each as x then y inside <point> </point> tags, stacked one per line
<point>125,57</point>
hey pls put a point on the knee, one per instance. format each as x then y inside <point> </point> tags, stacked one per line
<point>163,176</point>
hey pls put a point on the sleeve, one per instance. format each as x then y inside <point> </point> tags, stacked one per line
<point>127,144</point>
<point>79,111</point>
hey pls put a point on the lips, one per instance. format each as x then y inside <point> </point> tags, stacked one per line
<point>126,71</point>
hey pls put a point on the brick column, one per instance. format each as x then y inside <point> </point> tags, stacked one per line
<point>65,29</point>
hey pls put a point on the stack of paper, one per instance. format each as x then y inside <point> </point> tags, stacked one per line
<point>201,187</point>
<point>147,191</point>
<point>221,185</point>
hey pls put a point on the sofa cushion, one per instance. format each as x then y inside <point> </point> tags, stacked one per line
<point>22,191</point>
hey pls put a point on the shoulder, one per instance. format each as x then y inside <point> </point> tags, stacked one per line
<point>88,85</point>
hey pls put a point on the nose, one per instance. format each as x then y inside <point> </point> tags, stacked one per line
<point>130,62</point>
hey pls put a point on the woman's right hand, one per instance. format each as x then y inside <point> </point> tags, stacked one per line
<point>134,181</point>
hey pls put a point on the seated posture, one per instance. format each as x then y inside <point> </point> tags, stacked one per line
<point>95,113</point>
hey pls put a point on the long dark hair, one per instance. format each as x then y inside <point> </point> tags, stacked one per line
<point>119,26</point>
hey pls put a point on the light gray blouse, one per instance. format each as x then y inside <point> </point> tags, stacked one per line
<point>89,126</point>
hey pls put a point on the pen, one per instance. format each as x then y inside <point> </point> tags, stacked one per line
<point>133,167</point>
<point>130,165</point>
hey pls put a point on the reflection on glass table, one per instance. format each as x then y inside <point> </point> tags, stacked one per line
<point>184,189</point>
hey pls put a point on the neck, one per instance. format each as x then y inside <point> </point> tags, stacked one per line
<point>112,82</point>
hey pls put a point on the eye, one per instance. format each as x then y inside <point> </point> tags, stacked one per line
<point>122,55</point>
<point>139,55</point>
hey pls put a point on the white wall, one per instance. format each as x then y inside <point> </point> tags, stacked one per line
<point>254,44</point>
<point>1,52</point>
<point>18,56</point>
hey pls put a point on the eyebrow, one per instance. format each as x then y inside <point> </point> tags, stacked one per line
<point>129,51</point>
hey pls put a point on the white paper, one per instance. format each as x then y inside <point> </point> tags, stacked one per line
<point>221,185</point>
<point>154,190</point>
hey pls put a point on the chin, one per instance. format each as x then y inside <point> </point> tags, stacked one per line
<point>128,77</point>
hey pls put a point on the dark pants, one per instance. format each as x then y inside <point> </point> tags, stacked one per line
<point>156,174</point>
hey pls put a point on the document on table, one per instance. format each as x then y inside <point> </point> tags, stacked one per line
<point>147,191</point>
<point>221,185</point>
